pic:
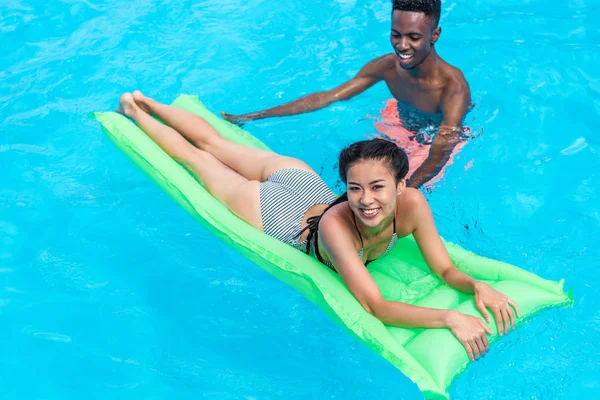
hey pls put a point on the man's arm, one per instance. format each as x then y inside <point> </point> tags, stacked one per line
<point>455,102</point>
<point>369,75</point>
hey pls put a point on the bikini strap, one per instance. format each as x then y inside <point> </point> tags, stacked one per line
<point>362,245</point>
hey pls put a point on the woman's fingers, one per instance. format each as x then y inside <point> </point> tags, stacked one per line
<point>484,336</point>
<point>469,349</point>
<point>486,328</point>
<point>481,307</point>
<point>480,346</point>
<point>475,347</point>
<point>514,305</point>
<point>486,343</point>
<point>505,319</point>
<point>498,318</point>
<point>511,315</point>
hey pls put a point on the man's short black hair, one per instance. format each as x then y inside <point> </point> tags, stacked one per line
<point>431,8</point>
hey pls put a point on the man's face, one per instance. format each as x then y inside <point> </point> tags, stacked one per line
<point>412,35</point>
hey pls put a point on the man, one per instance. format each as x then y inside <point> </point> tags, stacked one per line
<point>415,75</point>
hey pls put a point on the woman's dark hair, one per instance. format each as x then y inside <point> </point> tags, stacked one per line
<point>374,149</point>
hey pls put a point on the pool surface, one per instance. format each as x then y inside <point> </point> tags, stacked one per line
<point>105,291</point>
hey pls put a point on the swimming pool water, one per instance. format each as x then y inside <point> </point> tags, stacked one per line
<point>109,290</point>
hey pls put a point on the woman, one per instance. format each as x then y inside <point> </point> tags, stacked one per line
<point>286,199</point>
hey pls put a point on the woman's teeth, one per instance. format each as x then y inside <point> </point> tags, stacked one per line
<point>370,212</point>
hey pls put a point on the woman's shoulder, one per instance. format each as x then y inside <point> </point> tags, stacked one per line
<point>411,198</point>
<point>336,228</point>
<point>338,215</point>
<point>411,206</point>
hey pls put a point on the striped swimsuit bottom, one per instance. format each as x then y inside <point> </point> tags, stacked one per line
<point>284,199</point>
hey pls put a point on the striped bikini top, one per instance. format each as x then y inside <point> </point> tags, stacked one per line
<point>315,247</point>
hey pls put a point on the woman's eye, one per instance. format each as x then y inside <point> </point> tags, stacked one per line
<point>354,189</point>
<point>377,187</point>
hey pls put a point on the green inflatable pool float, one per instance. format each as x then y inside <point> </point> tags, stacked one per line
<point>431,358</point>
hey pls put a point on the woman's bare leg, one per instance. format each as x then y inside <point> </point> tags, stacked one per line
<point>253,164</point>
<point>239,194</point>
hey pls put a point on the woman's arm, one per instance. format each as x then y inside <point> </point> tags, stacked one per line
<point>438,260</point>
<point>338,244</point>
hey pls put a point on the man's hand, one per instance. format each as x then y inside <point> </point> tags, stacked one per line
<point>239,119</point>
<point>441,149</point>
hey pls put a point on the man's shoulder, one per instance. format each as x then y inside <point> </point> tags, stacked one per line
<point>388,59</point>
<point>382,63</point>
<point>378,67</point>
<point>455,79</point>
<point>456,94</point>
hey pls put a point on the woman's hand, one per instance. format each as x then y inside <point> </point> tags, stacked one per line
<point>471,332</point>
<point>500,304</point>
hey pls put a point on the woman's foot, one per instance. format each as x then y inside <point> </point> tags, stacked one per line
<point>141,100</point>
<point>127,105</point>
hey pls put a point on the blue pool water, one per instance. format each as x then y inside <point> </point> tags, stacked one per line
<point>109,290</point>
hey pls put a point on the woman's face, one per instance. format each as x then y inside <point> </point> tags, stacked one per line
<point>372,191</point>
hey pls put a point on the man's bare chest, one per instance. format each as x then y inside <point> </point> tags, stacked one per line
<point>426,98</point>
